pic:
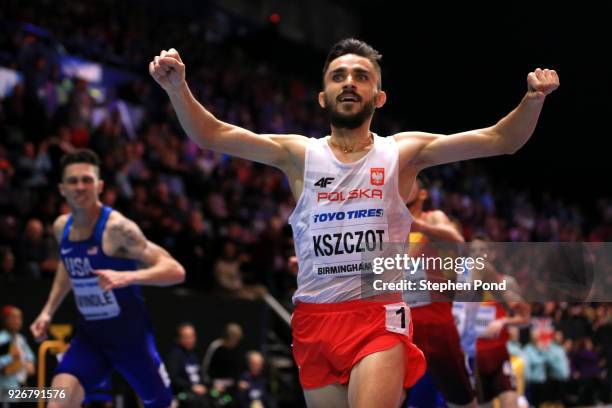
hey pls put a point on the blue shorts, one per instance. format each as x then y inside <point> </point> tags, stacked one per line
<point>140,365</point>
<point>103,393</point>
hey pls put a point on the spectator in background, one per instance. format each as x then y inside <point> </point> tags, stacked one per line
<point>25,164</point>
<point>252,387</point>
<point>514,345</point>
<point>547,367</point>
<point>603,339</point>
<point>227,270</point>
<point>15,112</point>
<point>42,166</point>
<point>193,248</point>
<point>587,371</point>
<point>184,369</point>
<point>558,368</point>
<point>34,252</point>
<point>7,264</point>
<point>7,171</point>
<point>517,359</point>
<point>574,324</point>
<point>535,370</point>
<point>222,366</point>
<point>107,136</point>
<point>9,230</point>
<point>229,277</point>
<point>80,106</point>
<point>16,356</point>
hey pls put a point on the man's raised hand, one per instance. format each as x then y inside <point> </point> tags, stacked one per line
<point>542,82</point>
<point>168,70</point>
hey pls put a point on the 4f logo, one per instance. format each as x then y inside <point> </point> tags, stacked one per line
<point>377,176</point>
<point>324,182</point>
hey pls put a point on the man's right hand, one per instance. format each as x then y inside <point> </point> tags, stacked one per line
<point>168,70</point>
<point>40,326</point>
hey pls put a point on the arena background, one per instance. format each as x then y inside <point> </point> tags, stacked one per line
<point>75,74</point>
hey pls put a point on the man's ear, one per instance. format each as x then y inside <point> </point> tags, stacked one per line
<point>60,187</point>
<point>322,99</point>
<point>381,98</point>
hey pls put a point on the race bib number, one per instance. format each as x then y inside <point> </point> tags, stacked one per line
<point>486,315</point>
<point>397,318</point>
<point>92,301</point>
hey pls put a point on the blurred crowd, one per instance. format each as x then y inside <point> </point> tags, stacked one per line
<point>222,377</point>
<point>224,218</point>
<point>566,353</point>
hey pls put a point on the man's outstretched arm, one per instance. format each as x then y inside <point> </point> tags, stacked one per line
<point>124,239</point>
<point>205,129</point>
<point>438,227</point>
<point>505,137</point>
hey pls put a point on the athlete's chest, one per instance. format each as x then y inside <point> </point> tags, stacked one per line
<point>81,258</point>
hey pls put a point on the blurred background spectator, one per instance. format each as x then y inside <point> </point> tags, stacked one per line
<point>184,369</point>
<point>252,386</point>
<point>16,357</point>
<point>222,364</point>
<point>7,264</point>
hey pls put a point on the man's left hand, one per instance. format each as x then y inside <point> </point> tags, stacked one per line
<point>109,279</point>
<point>542,82</point>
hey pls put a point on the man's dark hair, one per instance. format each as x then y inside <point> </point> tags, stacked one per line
<point>79,156</point>
<point>357,47</point>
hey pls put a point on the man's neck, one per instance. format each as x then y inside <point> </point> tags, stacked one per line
<point>351,140</point>
<point>86,218</point>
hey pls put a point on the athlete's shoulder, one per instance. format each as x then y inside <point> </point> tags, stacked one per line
<point>292,142</point>
<point>121,235</point>
<point>118,223</point>
<point>410,144</point>
<point>58,226</point>
<point>436,217</point>
<point>115,217</point>
<point>295,145</point>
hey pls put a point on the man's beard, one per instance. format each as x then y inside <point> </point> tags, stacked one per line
<point>348,120</point>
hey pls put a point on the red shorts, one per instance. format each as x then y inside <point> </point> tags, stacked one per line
<point>494,373</point>
<point>330,338</point>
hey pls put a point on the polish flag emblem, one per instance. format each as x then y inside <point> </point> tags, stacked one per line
<point>377,176</point>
